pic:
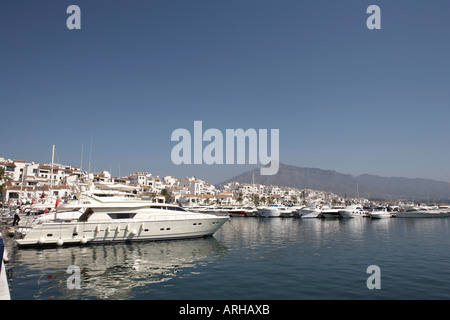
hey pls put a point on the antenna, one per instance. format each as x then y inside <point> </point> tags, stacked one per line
<point>90,157</point>
<point>51,174</point>
<point>81,161</point>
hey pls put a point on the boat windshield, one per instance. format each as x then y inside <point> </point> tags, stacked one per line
<point>174,208</point>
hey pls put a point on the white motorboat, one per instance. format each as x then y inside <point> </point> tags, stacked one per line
<point>330,213</point>
<point>353,211</point>
<point>243,212</point>
<point>307,213</point>
<point>275,210</point>
<point>380,213</point>
<point>422,212</point>
<point>269,211</point>
<point>289,211</point>
<point>124,221</point>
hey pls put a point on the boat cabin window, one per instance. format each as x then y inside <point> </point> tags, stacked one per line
<point>121,215</point>
<point>176,208</point>
<point>168,208</point>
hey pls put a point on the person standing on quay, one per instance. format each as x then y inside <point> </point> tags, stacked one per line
<point>16,216</point>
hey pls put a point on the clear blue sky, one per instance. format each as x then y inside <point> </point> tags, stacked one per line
<point>343,97</point>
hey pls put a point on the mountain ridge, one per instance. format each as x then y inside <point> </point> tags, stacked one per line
<point>369,186</point>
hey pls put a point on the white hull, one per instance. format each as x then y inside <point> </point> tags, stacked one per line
<point>123,221</point>
<point>270,212</point>
<point>352,215</point>
<point>160,228</point>
<point>310,215</point>
<point>423,214</point>
<point>307,213</point>
<point>277,211</point>
<point>380,215</point>
<point>353,211</point>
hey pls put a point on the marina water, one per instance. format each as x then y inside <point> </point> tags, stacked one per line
<point>250,259</point>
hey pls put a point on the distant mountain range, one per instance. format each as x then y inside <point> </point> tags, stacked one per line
<point>369,186</point>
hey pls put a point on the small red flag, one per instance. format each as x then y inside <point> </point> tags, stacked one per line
<point>57,202</point>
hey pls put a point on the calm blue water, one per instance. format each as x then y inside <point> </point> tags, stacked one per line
<point>251,259</point>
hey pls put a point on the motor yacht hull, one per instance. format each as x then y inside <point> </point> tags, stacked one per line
<point>382,215</point>
<point>423,214</point>
<point>352,214</point>
<point>160,228</point>
<point>330,214</point>
<point>269,212</point>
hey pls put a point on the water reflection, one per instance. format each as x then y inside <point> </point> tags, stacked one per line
<point>250,258</point>
<point>107,271</point>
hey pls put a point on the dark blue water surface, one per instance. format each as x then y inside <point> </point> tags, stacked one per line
<point>251,259</point>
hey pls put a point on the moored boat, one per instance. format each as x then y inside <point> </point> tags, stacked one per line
<point>122,221</point>
<point>243,212</point>
<point>380,213</point>
<point>423,212</point>
<point>269,211</point>
<point>330,213</point>
<point>276,210</point>
<point>353,211</point>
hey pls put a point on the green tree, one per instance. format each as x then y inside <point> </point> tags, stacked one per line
<point>4,179</point>
<point>263,200</point>
<point>167,195</point>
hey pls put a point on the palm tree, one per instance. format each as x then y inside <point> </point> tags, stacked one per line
<point>239,198</point>
<point>4,179</point>
<point>166,193</point>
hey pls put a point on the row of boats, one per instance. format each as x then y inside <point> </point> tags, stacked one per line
<point>306,212</point>
<point>96,218</point>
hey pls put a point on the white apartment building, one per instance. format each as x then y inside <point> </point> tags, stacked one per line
<point>197,186</point>
<point>27,181</point>
<point>35,174</point>
<point>145,179</point>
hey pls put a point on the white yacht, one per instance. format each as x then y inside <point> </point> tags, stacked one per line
<point>289,211</point>
<point>307,212</point>
<point>380,213</point>
<point>353,211</point>
<point>422,212</point>
<point>123,221</point>
<point>269,211</point>
<point>330,213</point>
<point>273,210</point>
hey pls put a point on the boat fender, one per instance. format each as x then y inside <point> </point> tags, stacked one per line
<point>108,229</point>
<point>83,240</point>
<point>60,242</point>
<point>5,255</point>
<point>134,232</point>
<point>41,240</point>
